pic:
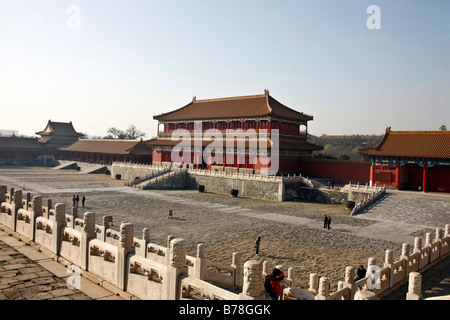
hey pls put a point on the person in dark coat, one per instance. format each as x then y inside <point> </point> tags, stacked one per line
<point>329,223</point>
<point>325,221</point>
<point>360,273</point>
<point>258,241</point>
<point>83,200</point>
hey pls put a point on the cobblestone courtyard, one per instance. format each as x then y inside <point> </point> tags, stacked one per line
<point>292,232</point>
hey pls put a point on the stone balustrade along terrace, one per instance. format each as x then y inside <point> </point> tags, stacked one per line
<point>137,268</point>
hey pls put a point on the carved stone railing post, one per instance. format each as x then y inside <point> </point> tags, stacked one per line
<point>405,255</point>
<point>290,278</point>
<point>428,239</point>
<point>11,195</point>
<point>49,207</point>
<point>58,224</point>
<point>200,262</point>
<point>144,242</point>
<point>445,244</point>
<point>126,246</point>
<point>417,245</point>
<point>324,289</point>
<point>74,216</point>
<point>389,263</point>
<point>87,234</point>
<point>238,271</point>
<point>36,211</point>
<point>252,288</point>
<point>169,239</point>
<point>28,201</point>
<point>266,268</point>
<point>16,205</point>
<point>177,266</point>
<point>105,226</point>
<point>314,283</point>
<point>349,281</point>
<point>414,286</point>
<point>439,238</point>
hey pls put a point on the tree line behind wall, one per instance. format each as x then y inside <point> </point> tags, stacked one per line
<point>343,147</point>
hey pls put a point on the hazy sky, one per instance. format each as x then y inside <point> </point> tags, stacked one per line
<point>103,64</point>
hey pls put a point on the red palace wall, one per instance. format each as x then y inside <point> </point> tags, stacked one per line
<point>355,171</point>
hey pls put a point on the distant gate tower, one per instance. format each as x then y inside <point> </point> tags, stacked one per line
<point>246,117</point>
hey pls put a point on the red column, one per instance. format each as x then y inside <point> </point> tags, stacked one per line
<point>424,184</point>
<point>372,174</point>
<point>397,170</point>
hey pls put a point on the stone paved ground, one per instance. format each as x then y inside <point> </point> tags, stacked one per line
<point>28,274</point>
<point>292,233</point>
<point>23,279</point>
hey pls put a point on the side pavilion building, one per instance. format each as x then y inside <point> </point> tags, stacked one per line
<point>411,160</point>
<point>107,151</point>
<point>56,135</point>
<point>247,131</point>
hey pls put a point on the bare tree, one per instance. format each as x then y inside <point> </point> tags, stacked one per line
<point>131,133</point>
<point>134,133</point>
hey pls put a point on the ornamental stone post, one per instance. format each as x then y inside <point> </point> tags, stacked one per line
<point>145,241</point>
<point>177,265</point>
<point>238,270</point>
<point>74,216</point>
<point>445,248</point>
<point>28,201</point>
<point>389,262</point>
<point>405,250</point>
<point>439,239</point>
<point>15,206</point>
<point>405,255</point>
<point>200,263</point>
<point>314,283</point>
<point>417,245</point>
<point>349,280</point>
<point>36,211</point>
<point>324,289</point>
<point>105,226</point>
<point>252,288</point>
<point>266,268</point>
<point>49,207</point>
<point>126,246</point>
<point>58,224</point>
<point>428,239</point>
<point>167,256</point>
<point>87,234</point>
<point>290,278</point>
<point>414,286</point>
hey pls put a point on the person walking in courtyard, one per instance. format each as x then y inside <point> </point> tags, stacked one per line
<point>73,200</point>
<point>83,200</point>
<point>329,223</point>
<point>325,221</point>
<point>258,241</point>
<point>78,199</point>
